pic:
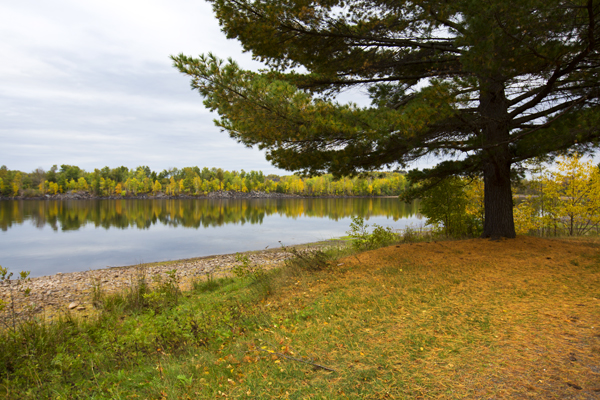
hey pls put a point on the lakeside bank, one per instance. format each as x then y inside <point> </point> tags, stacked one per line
<point>459,319</point>
<point>61,292</point>
<point>221,194</point>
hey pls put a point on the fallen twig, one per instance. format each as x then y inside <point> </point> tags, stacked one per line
<point>298,359</point>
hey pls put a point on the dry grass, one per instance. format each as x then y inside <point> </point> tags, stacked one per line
<point>464,319</point>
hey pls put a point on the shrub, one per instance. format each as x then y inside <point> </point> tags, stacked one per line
<point>247,270</point>
<point>140,296</point>
<point>363,240</point>
<point>446,207</point>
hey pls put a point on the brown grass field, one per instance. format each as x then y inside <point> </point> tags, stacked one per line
<point>510,319</point>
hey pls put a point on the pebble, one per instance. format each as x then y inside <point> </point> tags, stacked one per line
<point>51,293</point>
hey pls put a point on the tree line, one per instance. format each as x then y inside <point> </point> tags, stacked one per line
<point>194,181</point>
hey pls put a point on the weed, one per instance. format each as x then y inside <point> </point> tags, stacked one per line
<point>247,270</point>
<point>308,260</point>
<point>184,380</point>
<point>210,284</point>
<point>260,279</point>
<point>130,300</point>
<point>97,292</point>
<point>140,295</point>
<point>413,235</point>
<point>165,293</point>
<point>20,287</point>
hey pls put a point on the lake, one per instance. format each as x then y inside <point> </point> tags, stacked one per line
<point>46,237</point>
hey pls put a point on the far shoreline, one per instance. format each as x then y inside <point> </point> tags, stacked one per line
<point>38,212</point>
<point>221,194</point>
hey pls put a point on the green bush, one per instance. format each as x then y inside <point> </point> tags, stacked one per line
<point>247,270</point>
<point>363,240</point>
<point>259,278</point>
<point>445,206</point>
<point>166,292</point>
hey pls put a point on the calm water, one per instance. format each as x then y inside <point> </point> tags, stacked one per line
<point>46,237</point>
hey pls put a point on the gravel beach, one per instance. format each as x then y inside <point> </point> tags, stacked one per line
<point>72,291</point>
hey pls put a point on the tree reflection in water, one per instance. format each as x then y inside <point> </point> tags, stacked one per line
<point>190,213</point>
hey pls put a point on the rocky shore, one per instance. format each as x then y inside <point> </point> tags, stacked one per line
<point>221,194</point>
<point>73,291</point>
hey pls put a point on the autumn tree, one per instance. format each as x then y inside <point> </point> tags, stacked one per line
<point>156,188</point>
<point>68,174</point>
<point>4,181</point>
<point>566,199</point>
<point>483,86</point>
<point>16,184</point>
<point>577,185</point>
<point>38,176</point>
<point>220,175</point>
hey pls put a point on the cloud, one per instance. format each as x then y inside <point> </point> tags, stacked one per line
<point>91,84</point>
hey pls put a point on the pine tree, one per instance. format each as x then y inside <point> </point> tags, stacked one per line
<point>485,86</point>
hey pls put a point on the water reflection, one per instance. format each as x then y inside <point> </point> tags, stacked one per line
<point>68,215</point>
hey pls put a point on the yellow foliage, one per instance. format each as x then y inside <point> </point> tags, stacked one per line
<point>82,184</point>
<point>16,185</point>
<point>475,204</point>
<point>156,187</point>
<point>524,215</point>
<point>567,200</point>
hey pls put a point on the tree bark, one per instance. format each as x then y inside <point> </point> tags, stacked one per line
<point>498,203</point>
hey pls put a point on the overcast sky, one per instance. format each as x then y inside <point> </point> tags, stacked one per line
<point>90,83</point>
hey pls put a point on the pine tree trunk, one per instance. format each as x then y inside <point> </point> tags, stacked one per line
<point>498,220</point>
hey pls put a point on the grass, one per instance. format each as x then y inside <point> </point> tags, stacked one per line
<point>456,319</point>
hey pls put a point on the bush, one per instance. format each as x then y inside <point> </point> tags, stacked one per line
<point>258,276</point>
<point>446,207</point>
<point>363,240</point>
<point>246,270</point>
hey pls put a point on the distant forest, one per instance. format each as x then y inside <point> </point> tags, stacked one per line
<point>194,181</point>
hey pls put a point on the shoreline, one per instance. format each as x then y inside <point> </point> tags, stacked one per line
<point>61,292</point>
<point>221,194</point>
